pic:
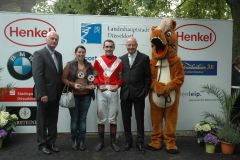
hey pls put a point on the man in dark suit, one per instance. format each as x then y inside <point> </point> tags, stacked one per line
<point>47,70</point>
<point>136,83</point>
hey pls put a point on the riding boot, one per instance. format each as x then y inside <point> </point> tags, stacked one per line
<point>113,131</point>
<point>100,145</point>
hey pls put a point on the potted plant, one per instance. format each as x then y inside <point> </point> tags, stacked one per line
<point>3,134</point>
<point>202,128</point>
<point>7,123</point>
<point>226,130</point>
<point>211,141</point>
<point>230,137</point>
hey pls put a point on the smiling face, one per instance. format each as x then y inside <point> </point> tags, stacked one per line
<point>108,47</point>
<point>52,39</point>
<point>80,54</point>
<point>131,45</point>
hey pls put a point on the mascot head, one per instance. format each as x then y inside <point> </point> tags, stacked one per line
<point>163,38</point>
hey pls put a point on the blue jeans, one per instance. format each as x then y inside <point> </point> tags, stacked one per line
<point>79,116</point>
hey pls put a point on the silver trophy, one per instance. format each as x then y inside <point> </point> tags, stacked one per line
<point>90,78</point>
<point>80,75</point>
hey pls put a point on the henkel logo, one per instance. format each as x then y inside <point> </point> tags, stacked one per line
<point>29,32</point>
<point>195,36</point>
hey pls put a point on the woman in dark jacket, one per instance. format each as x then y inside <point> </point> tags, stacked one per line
<point>77,74</point>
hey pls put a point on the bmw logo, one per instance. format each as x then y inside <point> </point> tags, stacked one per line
<point>20,65</point>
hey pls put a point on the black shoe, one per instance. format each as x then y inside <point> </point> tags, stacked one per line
<point>82,146</point>
<point>141,147</point>
<point>115,147</point>
<point>75,145</point>
<point>127,146</point>
<point>99,147</point>
<point>45,150</point>
<point>54,148</point>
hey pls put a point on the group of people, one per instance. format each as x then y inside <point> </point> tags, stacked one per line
<point>130,72</point>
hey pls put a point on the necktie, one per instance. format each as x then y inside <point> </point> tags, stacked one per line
<point>55,60</point>
<point>131,60</point>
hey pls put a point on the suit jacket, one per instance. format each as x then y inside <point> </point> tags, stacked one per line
<point>137,79</point>
<point>47,80</point>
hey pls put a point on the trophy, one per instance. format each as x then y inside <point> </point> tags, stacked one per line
<point>80,75</point>
<point>90,79</point>
<point>80,79</point>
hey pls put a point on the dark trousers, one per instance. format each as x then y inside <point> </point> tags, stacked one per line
<point>47,117</point>
<point>126,107</point>
<point>79,117</point>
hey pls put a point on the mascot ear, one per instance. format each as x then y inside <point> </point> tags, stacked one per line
<point>174,24</point>
<point>153,27</point>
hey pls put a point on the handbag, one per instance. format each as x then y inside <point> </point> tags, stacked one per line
<point>67,98</point>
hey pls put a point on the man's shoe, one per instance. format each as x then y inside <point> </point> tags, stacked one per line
<point>54,148</point>
<point>45,150</point>
<point>141,147</point>
<point>75,145</point>
<point>127,146</point>
<point>99,147</point>
<point>82,146</point>
<point>115,147</point>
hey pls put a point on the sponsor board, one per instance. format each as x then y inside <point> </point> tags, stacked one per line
<point>17,95</point>
<point>208,68</point>
<point>26,114</point>
<point>195,36</point>
<point>30,32</point>
<point>20,65</point>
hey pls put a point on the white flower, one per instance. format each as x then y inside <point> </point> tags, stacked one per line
<point>14,117</point>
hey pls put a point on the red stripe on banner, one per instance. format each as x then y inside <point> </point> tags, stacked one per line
<point>17,95</point>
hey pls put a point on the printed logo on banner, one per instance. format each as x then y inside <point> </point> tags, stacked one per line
<point>26,114</point>
<point>90,59</point>
<point>208,68</point>
<point>91,33</point>
<point>30,32</point>
<point>195,36</point>
<point>20,65</point>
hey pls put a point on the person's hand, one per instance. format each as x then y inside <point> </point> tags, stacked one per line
<point>91,86</point>
<point>102,88</point>
<point>44,99</point>
<point>114,88</point>
<point>77,86</point>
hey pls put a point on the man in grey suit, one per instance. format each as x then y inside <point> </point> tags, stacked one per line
<point>136,83</point>
<point>47,70</point>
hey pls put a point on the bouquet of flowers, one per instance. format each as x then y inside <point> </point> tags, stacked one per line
<point>7,121</point>
<point>202,128</point>
<point>211,138</point>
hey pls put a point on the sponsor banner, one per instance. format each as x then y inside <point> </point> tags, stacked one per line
<point>17,95</point>
<point>195,36</point>
<point>20,65</point>
<point>26,114</point>
<point>206,60</point>
<point>21,31</point>
<point>200,68</point>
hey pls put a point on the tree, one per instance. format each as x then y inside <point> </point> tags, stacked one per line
<point>235,11</point>
<point>203,9</point>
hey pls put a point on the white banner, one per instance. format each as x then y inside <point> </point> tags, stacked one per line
<point>205,47</point>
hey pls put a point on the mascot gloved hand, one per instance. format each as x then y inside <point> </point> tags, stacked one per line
<point>167,77</point>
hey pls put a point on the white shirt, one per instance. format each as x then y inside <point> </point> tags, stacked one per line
<point>131,58</point>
